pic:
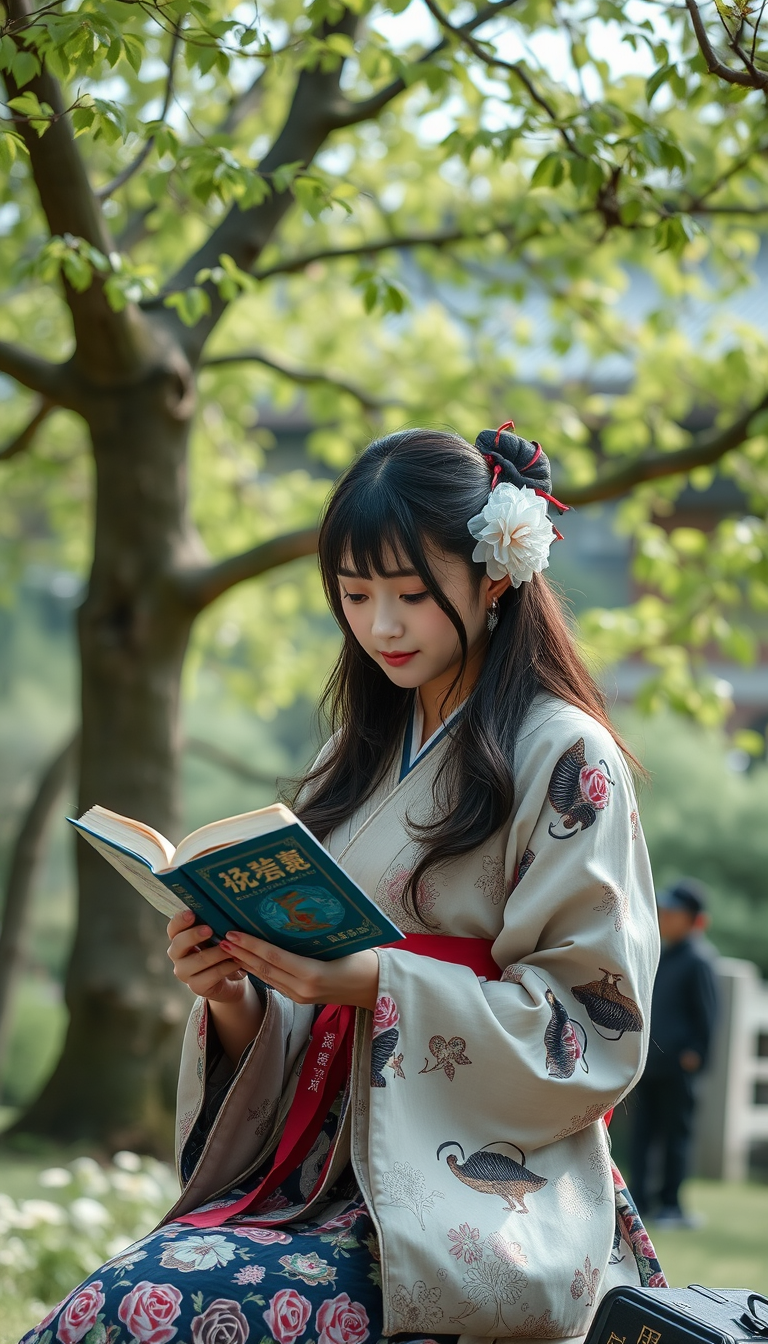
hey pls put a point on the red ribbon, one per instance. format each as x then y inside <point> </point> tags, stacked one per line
<point>327,1065</point>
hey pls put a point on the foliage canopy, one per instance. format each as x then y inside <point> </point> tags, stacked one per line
<point>520,208</point>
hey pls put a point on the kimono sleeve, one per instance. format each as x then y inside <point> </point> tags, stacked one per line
<point>226,1115</point>
<point>562,1036</point>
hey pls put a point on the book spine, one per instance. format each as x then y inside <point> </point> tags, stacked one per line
<point>180,883</point>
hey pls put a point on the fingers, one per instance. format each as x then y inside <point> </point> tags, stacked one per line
<point>188,940</point>
<point>299,978</point>
<point>248,948</point>
<point>213,979</point>
<point>180,921</point>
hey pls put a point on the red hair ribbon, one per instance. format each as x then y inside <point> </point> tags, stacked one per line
<point>510,424</point>
<point>564,508</point>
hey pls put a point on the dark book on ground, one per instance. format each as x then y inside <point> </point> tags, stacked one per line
<point>262,873</point>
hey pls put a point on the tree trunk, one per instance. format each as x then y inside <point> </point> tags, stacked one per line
<point>133,632</point>
<point>26,858</point>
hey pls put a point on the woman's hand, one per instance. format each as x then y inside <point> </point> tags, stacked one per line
<point>351,980</point>
<point>212,973</point>
<point>209,971</point>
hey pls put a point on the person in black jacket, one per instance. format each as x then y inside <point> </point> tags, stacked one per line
<point>683,1016</point>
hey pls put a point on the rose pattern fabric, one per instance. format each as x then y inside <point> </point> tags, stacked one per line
<point>594,786</point>
<point>341,1321</point>
<point>287,1315</point>
<point>79,1314</point>
<point>149,1309</point>
<point>228,1285</point>
<point>385,1015</point>
<point>221,1323</point>
<point>264,1236</point>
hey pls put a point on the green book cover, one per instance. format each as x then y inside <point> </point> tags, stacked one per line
<point>280,885</point>
<point>287,889</point>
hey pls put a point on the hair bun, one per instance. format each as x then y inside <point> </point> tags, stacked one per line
<point>522,463</point>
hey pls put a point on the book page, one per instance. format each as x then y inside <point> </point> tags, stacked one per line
<point>246,826</point>
<point>139,876</point>
<point>135,836</point>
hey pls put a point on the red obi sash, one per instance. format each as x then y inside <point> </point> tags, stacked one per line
<point>325,1068</point>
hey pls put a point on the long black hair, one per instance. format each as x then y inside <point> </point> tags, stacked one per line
<point>409,493</point>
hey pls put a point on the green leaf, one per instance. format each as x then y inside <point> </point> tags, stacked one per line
<point>191,304</point>
<point>284,176</point>
<point>8,50</point>
<point>24,66</point>
<point>657,79</point>
<point>550,171</point>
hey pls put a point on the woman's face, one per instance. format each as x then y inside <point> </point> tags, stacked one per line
<point>401,627</point>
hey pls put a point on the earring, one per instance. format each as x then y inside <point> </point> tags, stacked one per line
<point>492,616</point>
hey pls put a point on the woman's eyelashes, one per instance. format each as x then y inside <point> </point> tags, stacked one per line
<point>356,599</point>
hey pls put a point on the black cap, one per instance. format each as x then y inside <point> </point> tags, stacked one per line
<point>685,894</point>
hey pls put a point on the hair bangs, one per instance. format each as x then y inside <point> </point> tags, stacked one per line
<point>374,533</point>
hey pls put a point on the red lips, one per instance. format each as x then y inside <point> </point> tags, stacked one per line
<point>398,659</point>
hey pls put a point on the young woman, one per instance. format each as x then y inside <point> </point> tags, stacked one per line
<point>440,1167</point>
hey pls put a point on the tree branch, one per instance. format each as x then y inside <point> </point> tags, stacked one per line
<point>106,341</point>
<point>102,193</point>
<point>707,448</point>
<point>291,265</point>
<point>495,62</point>
<point>305,377</point>
<point>23,440</point>
<point>349,113</point>
<point>52,381</point>
<point>317,109</point>
<point>199,587</point>
<point>714,65</point>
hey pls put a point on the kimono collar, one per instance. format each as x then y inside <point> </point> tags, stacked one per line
<point>412,754</point>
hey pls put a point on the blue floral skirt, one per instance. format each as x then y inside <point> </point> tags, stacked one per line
<point>315,1282</point>
<point>239,1282</point>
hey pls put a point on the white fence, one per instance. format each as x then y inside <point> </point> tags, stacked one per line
<point>732,1124</point>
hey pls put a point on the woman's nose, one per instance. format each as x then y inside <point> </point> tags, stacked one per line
<point>387,622</point>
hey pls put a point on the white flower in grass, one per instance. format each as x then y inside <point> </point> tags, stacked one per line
<point>54,1178</point>
<point>88,1213</point>
<point>90,1175</point>
<point>39,1211</point>
<point>127,1160</point>
<point>513,534</point>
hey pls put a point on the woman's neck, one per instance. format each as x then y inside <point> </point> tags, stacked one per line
<point>437,698</point>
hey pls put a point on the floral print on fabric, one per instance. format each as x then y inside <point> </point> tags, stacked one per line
<point>231,1285</point>
<point>384,1038</point>
<point>149,1310</point>
<point>340,1321</point>
<point>630,1229</point>
<point>80,1314</point>
<point>447,1055</point>
<point>577,791</point>
<point>287,1315</point>
<point>221,1323</point>
<point>497,1277</point>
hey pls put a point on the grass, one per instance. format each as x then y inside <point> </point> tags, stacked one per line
<point>727,1251</point>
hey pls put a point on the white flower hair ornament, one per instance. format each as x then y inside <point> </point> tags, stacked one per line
<point>513,532</point>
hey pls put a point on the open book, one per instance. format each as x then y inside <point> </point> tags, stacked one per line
<point>261,872</point>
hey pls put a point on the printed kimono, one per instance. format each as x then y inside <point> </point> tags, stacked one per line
<point>468,1189</point>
